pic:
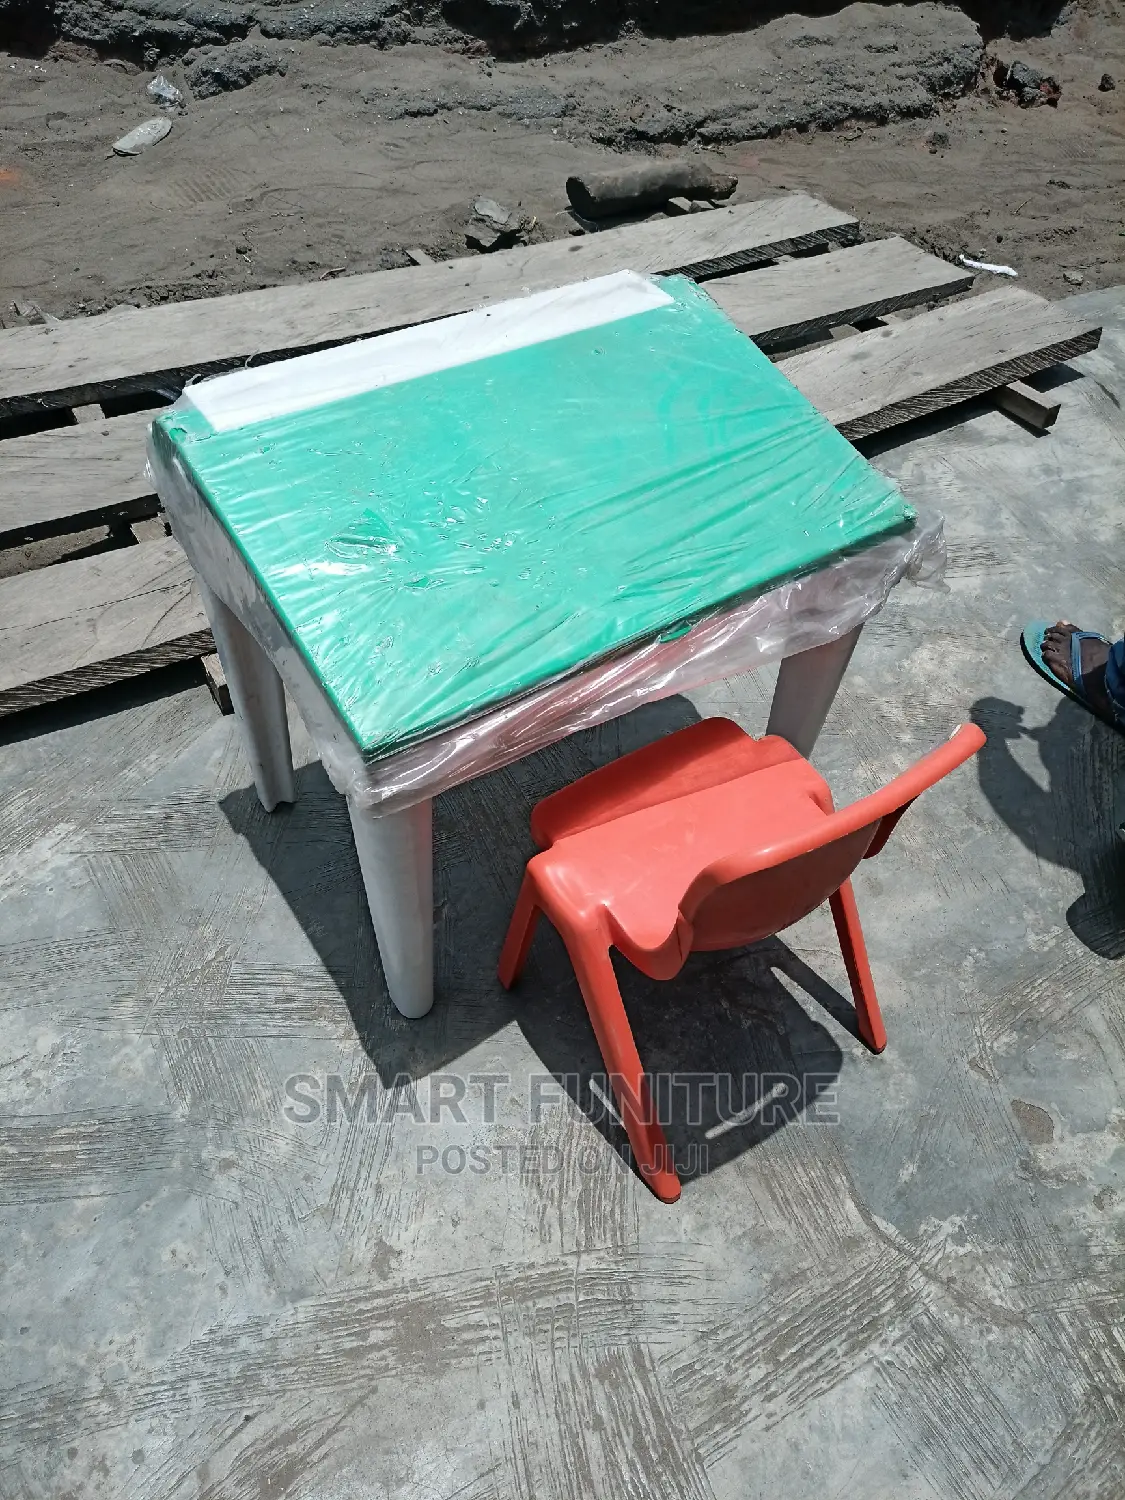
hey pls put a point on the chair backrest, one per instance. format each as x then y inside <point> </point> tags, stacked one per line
<point>799,873</point>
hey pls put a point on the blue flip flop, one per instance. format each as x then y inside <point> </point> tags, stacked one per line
<point>1031,641</point>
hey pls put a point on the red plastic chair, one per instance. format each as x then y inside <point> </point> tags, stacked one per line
<point>705,839</point>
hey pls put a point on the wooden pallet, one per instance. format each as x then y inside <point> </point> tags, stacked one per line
<point>79,625</point>
<point>129,350</point>
<point>799,274</point>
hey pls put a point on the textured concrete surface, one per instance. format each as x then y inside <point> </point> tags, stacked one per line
<point>902,1277</point>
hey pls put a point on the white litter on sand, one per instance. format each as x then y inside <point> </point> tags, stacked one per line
<point>142,137</point>
<point>984,265</point>
<point>164,92</point>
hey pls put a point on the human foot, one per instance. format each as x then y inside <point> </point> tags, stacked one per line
<point>1093,654</point>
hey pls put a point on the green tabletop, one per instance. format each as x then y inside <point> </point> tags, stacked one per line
<point>449,516</point>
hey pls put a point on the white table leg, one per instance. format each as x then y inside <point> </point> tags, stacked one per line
<point>258,699</point>
<point>397,860</point>
<point>806,686</point>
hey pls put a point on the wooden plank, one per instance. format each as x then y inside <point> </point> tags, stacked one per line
<point>781,304</point>
<point>891,375</point>
<point>217,683</point>
<point>1028,404</point>
<point>83,624</point>
<point>91,413</point>
<point>152,529</point>
<point>72,477</point>
<point>1018,400</point>
<point>135,349</point>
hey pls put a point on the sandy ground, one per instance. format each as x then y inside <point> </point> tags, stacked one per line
<point>306,175</point>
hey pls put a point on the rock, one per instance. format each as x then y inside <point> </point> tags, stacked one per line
<point>937,140</point>
<point>678,206</point>
<point>1106,83</point>
<point>1020,76</point>
<point>1029,85</point>
<point>1075,278</point>
<point>30,312</point>
<point>217,71</point>
<point>481,237</point>
<point>494,227</point>
<point>495,216</point>
<point>142,137</point>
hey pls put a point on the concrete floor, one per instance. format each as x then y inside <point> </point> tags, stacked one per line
<point>903,1277</point>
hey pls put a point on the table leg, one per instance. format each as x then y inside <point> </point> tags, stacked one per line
<point>397,861</point>
<point>806,686</point>
<point>258,699</point>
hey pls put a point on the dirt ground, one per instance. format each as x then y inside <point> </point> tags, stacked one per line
<point>355,154</point>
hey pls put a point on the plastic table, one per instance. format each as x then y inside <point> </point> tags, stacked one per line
<point>455,544</point>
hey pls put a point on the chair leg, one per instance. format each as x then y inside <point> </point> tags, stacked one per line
<point>521,933</point>
<point>598,984</point>
<point>845,913</point>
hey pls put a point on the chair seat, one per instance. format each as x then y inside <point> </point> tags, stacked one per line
<point>651,869</point>
<point>702,755</point>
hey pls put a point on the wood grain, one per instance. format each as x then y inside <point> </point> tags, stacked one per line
<point>131,349</point>
<point>69,478</point>
<point>83,624</point>
<point>890,375</point>
<point>781,304</point>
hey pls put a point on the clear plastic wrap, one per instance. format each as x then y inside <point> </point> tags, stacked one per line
<point>585,500</point>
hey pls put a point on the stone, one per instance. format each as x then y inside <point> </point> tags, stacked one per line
<point>480,237</point>
<point>1106,83</point>
<point>219,70</point>
<point>494,227</point>
<point>1028,84</point>
<point>495,214</point>
<point>30,312</point>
